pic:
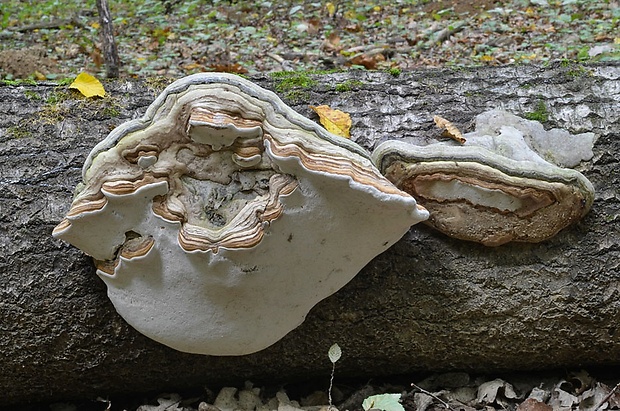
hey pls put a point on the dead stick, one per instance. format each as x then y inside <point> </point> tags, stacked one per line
<point>110,54</point>
<point>49,25</point>
<point>434,396</point>
<point>607,397</point>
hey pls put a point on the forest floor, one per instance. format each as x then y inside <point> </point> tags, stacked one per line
<point>48,39</point>
<point>453,391</point>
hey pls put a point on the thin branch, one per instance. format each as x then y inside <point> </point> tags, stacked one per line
<point>434,396</point>
<point>607,397</point>
<point>53,24</point>
<point>286,66</point>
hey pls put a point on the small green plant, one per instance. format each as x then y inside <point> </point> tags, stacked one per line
<point>54,111</point>
<point>293,84</point>
<point>348,85</point>
<point>65,81</point>
<point>296,96</point>
<point>108,106</point>
<point>539,114</point>
<point>290,80</point>
<point>57,96</point>
<point>18,131</point>
<point>342,87</point>
<point>10,82</point>
<point>18,82</point>
<point>334,355</point>
<point>32,95</point>
<point>395,71</point>
<point>111,110</point>
<point>158,83</point>
<point>577,71</point>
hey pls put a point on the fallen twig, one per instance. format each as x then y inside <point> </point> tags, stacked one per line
<point>447,32</point>
<point>607,397</point>
<point>286,66</point>
<point>49,24</point>
<point>445,404</point>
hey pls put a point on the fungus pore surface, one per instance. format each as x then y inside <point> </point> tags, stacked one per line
<point>497,187</point>
<point>221,217</point>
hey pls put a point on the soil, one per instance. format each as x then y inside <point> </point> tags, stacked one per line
<point>26,62</point>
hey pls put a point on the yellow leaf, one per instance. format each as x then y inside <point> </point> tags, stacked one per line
<point>39,76</point>
<point>331,9</point>
<point>88,85</point>
<point>335,121</point>
<point>95,25</point>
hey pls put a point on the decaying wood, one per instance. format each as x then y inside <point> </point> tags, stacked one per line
<point>52,24</point>
<point>429,303</point>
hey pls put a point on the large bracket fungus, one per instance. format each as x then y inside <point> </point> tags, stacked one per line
<point>495,188</point>
<point>220,218</point>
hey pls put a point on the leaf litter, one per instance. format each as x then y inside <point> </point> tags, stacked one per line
<point>175,38</point>
<point>449,391</point>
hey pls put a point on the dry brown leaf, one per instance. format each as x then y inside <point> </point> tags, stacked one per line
<point>314,25</point>
<point>600,396</point>
<point>532,404</point>
<point>489,392</point>
<point>97,57</point>
<point>562,399</point>
<point>368,61</point>
<point>450,130</point>
<point>194,66</point>
<point>331,43</point>
<point>235,68</point>
<point>335,121</point>
<point>353,28</point>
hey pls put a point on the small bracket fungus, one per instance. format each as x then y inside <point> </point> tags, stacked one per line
<point>494,188</point>
<point>220,218</point>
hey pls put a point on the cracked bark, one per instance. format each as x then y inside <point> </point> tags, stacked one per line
<point>429,303</point>
<point>110,53</point>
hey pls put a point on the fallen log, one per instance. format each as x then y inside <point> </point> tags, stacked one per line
<point>430,303</point>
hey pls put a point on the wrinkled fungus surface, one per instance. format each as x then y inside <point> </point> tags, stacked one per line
<point>495,188</point>
<point>220,218</point>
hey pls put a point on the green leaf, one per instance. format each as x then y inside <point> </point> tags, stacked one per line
<point>583,53</point>
<point>334,353</point>
<point>384,402</point>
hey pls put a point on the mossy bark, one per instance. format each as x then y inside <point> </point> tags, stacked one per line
<point>429,303</point>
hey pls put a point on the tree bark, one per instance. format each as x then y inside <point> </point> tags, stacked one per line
<point>430,303</point>
<point>110,53</point>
